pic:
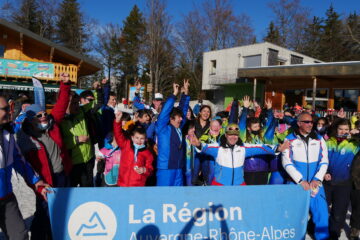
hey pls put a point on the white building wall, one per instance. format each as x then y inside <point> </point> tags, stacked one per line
<point>228,61</point>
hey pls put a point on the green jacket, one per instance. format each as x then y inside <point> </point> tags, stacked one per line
<point>73,126</point>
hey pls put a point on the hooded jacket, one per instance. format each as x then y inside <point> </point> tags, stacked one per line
<point>37,155</point>
<point>341,156</point>
<point>128,177</point>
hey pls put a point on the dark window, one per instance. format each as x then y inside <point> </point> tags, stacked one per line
<point>273,57</point>
<point>2,51</point>
<point>252,61</point>
<point>296,59</point>
<point>346,98</point>
<point>213,67</point>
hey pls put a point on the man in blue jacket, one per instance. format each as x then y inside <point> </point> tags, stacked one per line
<point>171,143</point>
<point>306,162</point>
<point>11,221</point>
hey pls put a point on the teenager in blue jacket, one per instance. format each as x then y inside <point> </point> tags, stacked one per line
<point>171,142</point>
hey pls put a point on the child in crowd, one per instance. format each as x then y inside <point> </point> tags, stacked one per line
<point>136,160</point>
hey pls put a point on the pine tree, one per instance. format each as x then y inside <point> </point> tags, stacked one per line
<point>131,39</point>
<point>313,38</point>
<point>70,26</point>
<point>332,48</point>
<point>28,16</point>
<point>273,35</point>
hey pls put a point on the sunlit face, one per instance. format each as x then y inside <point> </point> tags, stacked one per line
<point>138,138</point>
<point>305,124</point>
<point>320,124</point>
<point>215,127</point>
<point>254,127</point>
<point>112,101</point>
<point>231,139</point>
<point>157,103</point>
<point>41,117</point>
<point>144,119</point>
<point>205,114</point>
<point>176,121</point>
<point>191,131</point>
<point>343,130</point>
<point>188,114</point>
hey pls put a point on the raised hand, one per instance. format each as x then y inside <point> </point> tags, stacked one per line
<point>65,77</point>
<point>246,102</point>
<point>176,88</point>
<point>194,141</point>
<point>96,85</point>
<point>268,104</point>
<point>137,85</point>
<point>186,86</point>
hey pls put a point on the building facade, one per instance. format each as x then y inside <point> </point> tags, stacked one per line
<point>221,68</point>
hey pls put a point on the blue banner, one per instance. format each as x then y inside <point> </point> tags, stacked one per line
<point>180,213</point>
<point>10,67</point>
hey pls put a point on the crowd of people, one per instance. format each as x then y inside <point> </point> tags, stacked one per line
<point>161,144</point>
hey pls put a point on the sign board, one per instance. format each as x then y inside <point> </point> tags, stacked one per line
<point>180,213</point>
<point>132,90</point>
<point>19,68</point>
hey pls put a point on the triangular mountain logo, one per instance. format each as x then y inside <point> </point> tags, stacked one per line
<point>94,227</point>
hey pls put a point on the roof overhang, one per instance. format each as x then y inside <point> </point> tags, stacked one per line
<point>91,65</point>
<point>332,70</point>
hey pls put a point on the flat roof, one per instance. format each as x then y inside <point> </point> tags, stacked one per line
<point>331,70</point>
<point>47,42</point>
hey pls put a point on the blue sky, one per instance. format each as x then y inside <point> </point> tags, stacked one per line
<point>115,11</point>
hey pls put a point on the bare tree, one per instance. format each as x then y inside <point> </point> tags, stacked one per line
<point>225,29</point>
<point>291,19</point>
<point>158,30</point>
<point>190,37</point>
<point>107,47</point>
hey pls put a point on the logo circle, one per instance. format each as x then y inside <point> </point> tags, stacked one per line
<point>92,220</point>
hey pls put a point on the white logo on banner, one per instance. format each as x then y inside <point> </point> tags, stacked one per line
<point>92,220</point>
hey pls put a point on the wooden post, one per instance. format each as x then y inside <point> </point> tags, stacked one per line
<point>314,93</point>
<point>254,90</point>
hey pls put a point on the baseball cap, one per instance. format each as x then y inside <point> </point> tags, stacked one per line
<point>232,129</point>
<point>159,96</point>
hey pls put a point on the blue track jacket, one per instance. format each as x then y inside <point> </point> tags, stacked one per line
<point>171,151</point>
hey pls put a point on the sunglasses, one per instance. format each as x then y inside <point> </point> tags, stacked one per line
<point>90,99</point>
<point>40,115</point>
<point>6,109</point>
<point>232,129</point>
<point>307,122</point>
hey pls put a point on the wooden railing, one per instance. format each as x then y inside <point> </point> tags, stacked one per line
<point>71,69</point>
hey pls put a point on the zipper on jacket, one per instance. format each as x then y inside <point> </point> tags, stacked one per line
<point>233,170</point>
<point>307,159</point>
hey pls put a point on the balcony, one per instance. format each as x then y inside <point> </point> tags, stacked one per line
<point>24,70</point>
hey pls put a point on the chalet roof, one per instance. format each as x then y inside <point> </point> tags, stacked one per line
<point>95,66</point>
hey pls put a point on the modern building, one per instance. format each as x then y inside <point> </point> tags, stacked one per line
<point>221,69</point>
<point>266,70</point>
<point>24,54</point>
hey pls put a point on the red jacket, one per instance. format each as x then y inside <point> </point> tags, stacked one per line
<point>128,177</point>
<point>38,158</point>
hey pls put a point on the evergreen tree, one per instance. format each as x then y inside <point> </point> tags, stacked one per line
<point>273,35</point>
<point>332,48</point>
<point>131,39</point>
<point>28,16</point>
<point>352,36</point>
<point>313,38</point>
<point>71,26</point>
